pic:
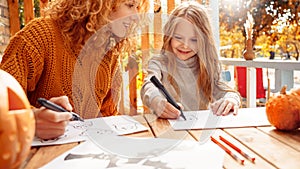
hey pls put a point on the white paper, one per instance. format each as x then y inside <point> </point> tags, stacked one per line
<point>205,119</point>
<point>76,130</point>
<point>183,154</point>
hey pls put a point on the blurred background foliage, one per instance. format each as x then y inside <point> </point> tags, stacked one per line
<point>276,27</point>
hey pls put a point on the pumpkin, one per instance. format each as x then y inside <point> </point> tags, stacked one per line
<point>17,123</point>
<point>283,109</point>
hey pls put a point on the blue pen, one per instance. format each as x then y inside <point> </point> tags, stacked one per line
<point>52,106</point>
<point>161,87</point>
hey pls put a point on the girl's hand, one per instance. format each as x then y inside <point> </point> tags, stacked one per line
<point>224,106</point>
<point>51,124</point>
<point>164,109</point>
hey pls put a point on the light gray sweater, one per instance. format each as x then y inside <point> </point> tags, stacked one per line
<point>186,79</point>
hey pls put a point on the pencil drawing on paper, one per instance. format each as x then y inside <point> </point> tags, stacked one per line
<point>125,126</point>
<point>77,130</point>
<point>191,117</point>
<point>82,125</point>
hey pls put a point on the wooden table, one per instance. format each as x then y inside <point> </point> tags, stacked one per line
<point>271,148</point>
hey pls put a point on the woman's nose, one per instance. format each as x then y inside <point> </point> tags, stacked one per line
<point>135,17</point>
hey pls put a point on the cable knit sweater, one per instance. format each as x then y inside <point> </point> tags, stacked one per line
<point>44,66</point>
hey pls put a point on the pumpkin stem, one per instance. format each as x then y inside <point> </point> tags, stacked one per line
<point>283,89</point>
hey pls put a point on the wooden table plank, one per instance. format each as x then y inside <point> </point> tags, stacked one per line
<point>32,152</point>
<point>229,162</point>
<point>290,138</point>
<point>143,121</point>
<point>272,150</point>
<point>47,153</point>
<point>161,128</point>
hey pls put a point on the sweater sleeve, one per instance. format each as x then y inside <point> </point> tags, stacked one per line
<point>149,91</point>
<point>23,61</point>
<point>222,90</point>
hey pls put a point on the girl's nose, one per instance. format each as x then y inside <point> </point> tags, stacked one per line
<point>185,44</point>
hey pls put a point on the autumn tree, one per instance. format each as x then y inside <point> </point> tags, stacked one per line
<point>270,16</point>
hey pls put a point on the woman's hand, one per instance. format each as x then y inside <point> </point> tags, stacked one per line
<point>164,109</point>
<point>51,124</point>
<point>224,106</point>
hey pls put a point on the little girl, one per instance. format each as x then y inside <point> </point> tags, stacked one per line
<point>188,67</point>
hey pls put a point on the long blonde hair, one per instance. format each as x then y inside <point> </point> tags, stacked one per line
<point>210,67</point>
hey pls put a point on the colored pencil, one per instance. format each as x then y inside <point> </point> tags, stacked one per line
<point>232,154</point>
<point>237,149</point>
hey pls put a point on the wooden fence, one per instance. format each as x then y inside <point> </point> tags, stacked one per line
<point>133,70</point>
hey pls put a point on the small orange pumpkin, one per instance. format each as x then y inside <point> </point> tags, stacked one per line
<point>283,109</point>
<point>17,123</point>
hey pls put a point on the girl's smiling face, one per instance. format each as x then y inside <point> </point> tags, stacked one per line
<point>184,40</point>
<point>124,16</point>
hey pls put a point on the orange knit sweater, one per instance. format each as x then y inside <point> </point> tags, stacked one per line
<point>43,64</point>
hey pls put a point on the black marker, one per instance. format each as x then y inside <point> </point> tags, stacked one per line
<point>52,106</point>
<point>161,87</point>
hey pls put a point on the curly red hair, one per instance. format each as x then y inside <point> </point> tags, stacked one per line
<point>79,19</point>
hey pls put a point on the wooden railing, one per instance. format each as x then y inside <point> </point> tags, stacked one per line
<point>284,74</point>
<point>14,13</point>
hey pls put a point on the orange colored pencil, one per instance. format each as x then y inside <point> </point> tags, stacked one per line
<point>232,154</point>
<point>237,149</point>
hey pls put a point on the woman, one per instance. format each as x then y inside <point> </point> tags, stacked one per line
<point>54,57</point>
<point>188,67</point>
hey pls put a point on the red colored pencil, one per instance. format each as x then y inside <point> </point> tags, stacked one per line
<point>232,154</point>
<point>237,149</point>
